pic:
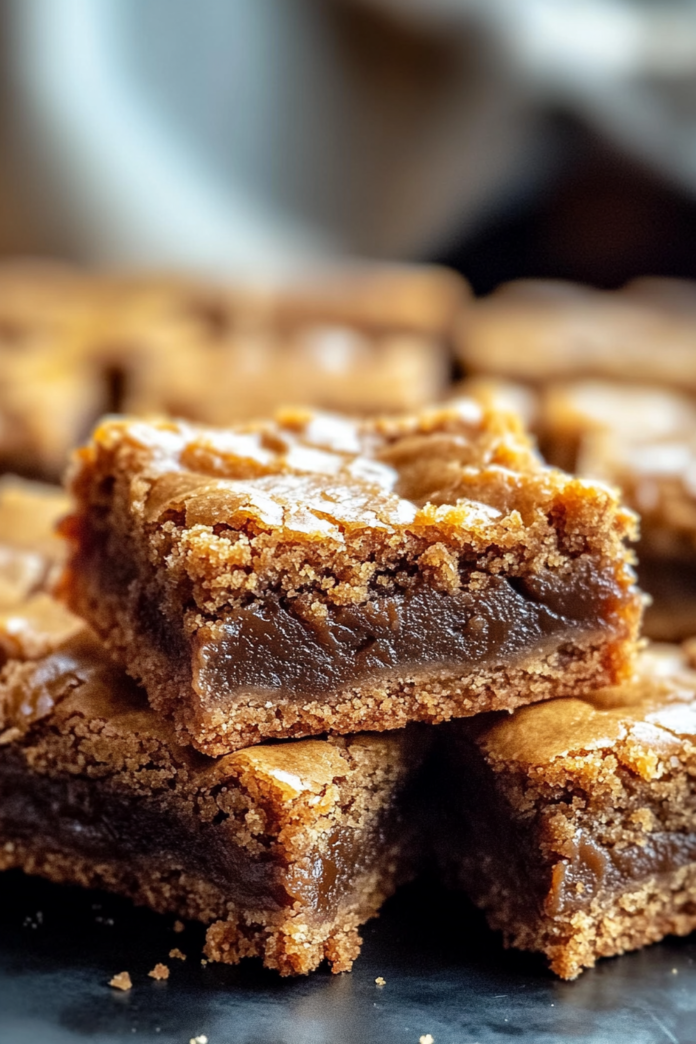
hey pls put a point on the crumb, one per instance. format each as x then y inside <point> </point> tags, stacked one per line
<point>122,981</point>
<point>160,971</point>
<point>176,952</point>
<point>674,971</point>
<point>178,926</point>
<point>201,1039</point>
<point>380,981</point>
<point>427,1038</point>
<point>203,962</point>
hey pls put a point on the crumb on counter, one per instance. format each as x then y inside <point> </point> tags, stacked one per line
<point>122,981</point>
<point>380,981</point>
<point>178,926</point>
<point>200,1039</point>
<point>427,1038</point>
<point>160,971</point>
<point>176,952</point>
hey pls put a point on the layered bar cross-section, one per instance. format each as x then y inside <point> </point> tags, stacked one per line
<point>314,574</point>
<point>283,850</point>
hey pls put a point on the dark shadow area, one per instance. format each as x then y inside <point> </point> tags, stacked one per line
<point>445,974</point>
<point>603,220</point>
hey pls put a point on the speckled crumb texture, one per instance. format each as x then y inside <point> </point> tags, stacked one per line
<point>284,850</point>
<point>571,823</point>
<point>75,345</point>
<point>314,573</point>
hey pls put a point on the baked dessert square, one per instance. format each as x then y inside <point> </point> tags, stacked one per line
<point>572,824</point>
<point>49,395</point>
<point>542,330</point>
<point>641,439</point>
<point>360,339</point>
<point>315,573</point>
<point>31,556</point>
<point>282,850</point>
<point>29,515</point>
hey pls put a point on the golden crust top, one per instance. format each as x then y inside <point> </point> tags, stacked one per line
<point>463,468</point>
<point>642,721</point>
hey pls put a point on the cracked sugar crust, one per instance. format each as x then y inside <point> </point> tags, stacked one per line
<point>284,851</point>
<point>326,520</point>
<point>592,798</point>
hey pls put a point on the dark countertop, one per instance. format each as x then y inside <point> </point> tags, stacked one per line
<point>446,975</point>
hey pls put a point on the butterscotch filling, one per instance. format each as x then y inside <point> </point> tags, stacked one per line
<point>595,870</point>
<point>269,646</point>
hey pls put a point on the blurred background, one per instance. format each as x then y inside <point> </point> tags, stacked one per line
<point>506,138</point>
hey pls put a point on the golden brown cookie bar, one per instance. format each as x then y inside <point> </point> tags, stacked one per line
<point>50,396</point>
<point>362,339</point>
<point>31,554</point>
<point>536,330</point>
<point>641,439</point>
<point>316,573</point>
<point>284,850</point>
<point>572,822</point>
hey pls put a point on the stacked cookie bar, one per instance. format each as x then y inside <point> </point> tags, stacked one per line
<point>271,639</point>
<point>308,577</point>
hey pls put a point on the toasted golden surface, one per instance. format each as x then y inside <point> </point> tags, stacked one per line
<point>654,710</point>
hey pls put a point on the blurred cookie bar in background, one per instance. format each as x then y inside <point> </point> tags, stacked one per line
<point>32,623</point>
<point>362,339</point>
<point>49,391</point>
<point>641,439</point>
<point>541,330</point>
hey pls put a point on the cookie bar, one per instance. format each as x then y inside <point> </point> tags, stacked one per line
<point>643,440</point>
<point>31,555</point>
<point>536,330</point>
<point>572,822</point>
<point>362,340</point>
<point>314,573</point>
<point>284,850</point>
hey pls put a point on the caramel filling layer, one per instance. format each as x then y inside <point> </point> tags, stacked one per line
<point>103,824</point>
<point>269,647</point>
<point>595,870</point>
